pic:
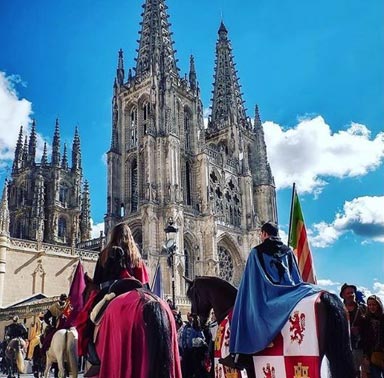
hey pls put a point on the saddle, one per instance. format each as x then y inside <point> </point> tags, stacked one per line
<point>117,288</point>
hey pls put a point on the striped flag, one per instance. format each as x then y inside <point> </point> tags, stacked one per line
<point>298,240</point>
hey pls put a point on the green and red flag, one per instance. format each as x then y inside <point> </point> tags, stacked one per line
<point>298,240</point>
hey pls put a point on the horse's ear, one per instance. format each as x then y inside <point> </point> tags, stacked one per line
<point>87,279</point>
<point>188,280</point>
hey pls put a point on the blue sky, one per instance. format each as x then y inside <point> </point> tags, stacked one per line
<point>315,68</point>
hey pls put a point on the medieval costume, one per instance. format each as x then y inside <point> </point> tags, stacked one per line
<point>269,290</point>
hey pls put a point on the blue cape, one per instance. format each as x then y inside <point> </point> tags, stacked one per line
<point>269,290</point>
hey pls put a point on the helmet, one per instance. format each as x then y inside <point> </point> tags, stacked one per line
<point>15,319</point>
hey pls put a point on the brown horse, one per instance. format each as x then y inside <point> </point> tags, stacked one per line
<point>14,354</point>
<point>208,293</point>
<point>136,335</point>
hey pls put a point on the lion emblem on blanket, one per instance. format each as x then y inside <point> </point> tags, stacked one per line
<point>297,326</point>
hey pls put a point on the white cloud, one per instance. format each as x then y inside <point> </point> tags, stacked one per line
<point>327,282</point>
<point>96,229</point>
<point>206,114</point>
<point>378,289</point>
<point>310,152</point>
<point>363,216</point>
<point>13,113</point>
<point>322,235</point>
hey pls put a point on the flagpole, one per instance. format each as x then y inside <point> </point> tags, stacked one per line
<point>291,213</point>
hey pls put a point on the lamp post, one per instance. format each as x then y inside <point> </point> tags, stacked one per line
<point>170,246</point>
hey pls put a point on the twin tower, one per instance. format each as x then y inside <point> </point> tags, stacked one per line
<point>212,179</point>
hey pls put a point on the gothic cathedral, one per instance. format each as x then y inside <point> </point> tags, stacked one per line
<point>46,200</point>
<point>213,180</point>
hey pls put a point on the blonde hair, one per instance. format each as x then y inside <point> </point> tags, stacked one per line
<point>121,236</point>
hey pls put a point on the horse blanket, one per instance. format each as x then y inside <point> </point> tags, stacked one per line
<point>221,349</point>
<point>122,339</point>
<point>293,353</point>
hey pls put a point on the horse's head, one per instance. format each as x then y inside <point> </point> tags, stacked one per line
<point>200,303</point>
<point>206,293</point>
<point>15,352</point>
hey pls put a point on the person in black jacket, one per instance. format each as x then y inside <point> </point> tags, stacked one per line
<point>16,329</point>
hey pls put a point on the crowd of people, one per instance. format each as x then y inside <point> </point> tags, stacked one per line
<point>121,260</point>
<point>366,320</point>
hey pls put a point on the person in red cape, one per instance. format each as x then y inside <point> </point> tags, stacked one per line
<point>120,259</point>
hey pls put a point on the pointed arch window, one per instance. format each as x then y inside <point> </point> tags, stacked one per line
<point>20,229</point>
<point>63,195</point>
<point>225,264</point>
<point>189,263</point>
<point>131,128</point>
<point>62,228</point>
<point>232,203</point>
<point>187,130</point>
<point>146,114</point>
<point>188,184</point>
<point>134,187</point>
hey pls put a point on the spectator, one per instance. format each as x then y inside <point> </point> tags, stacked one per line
<point>194,350</point>
<point>16,329</point>
<point>356,314</point>
<point>372,334</point>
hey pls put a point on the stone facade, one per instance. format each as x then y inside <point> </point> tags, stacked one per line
<point>213,181</point>
<point>44,213</point>
<point>32,267</point>
<point>46,200</point>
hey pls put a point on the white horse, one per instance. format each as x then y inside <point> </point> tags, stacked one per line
<point>63,348</point>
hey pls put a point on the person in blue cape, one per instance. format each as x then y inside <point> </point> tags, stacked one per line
<point>270,288</point>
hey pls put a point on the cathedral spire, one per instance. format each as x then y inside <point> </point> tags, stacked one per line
<point>155,44</point>
<point>85,221</point>
<point>4,212</point>
<point>64,160</point>
<point>260,168</point>
<point>76,151</point>
<point>192,73</point>
<point>120,68</point>
<point>44,159</point>
<point>257,123</point>
<point>32,144</point>
<point>115,115</point>
<point>227,103</point>
<point>56,145</point>
<point>25,151</point>
<point>18,152</point>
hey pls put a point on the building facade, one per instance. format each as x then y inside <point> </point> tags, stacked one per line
<point>32,267</point>
<point>44,216</point>
<point>48,201</point>
<point>214,181</point>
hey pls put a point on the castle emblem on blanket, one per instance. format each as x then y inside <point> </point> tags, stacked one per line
<point>301,371</point>
<point>297,326</point>
<point>269,371</point>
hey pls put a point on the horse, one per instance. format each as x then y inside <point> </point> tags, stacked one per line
<point>14,354</point>
<point>63,349</point>
<point>207,293</point>
<point>136,334</point>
